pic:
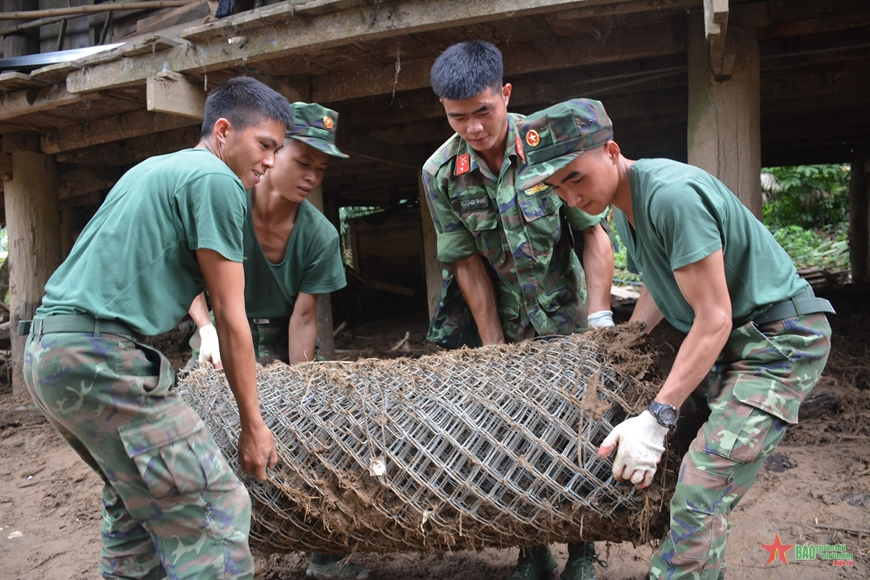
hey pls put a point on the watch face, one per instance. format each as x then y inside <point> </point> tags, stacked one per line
<point>667,415</point>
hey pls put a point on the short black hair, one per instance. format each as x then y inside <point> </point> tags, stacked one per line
<point>245,101</point>
<point>467,69</point>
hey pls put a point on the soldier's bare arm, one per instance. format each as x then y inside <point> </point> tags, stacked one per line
<point>479,294</point>
<point>646,311</point>
<point>226,286</point>
<point>302,337</point>
<point>703,285</point>
<point>598,264</point>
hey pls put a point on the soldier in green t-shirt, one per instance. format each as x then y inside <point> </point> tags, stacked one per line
<point>714,271</point>
<point>512,248</point>
<point>292,255</point>
<point>170,227</point>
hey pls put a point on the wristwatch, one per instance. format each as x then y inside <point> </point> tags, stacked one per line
<point>665,414</point>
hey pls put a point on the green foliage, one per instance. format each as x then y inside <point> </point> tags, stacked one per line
<point>815,248</point>
<point>809,214</point>
<point>809,196</point>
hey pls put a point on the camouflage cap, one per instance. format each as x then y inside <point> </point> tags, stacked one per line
<point>315,125</point>
<point>556,135</point>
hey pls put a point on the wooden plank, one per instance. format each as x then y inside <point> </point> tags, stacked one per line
<point>594,8</point>
<point>100,131</point>
<point>277,31</point>
<point>16,81</point>
<point>170,92</point>
<point>148,45</point>
<point>54,72</point>
<point>542,55</point>
<point>32,101</point>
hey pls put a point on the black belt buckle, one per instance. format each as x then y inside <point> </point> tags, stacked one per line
<point>24,327</point>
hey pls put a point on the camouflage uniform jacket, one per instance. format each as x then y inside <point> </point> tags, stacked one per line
<point>523,235</point>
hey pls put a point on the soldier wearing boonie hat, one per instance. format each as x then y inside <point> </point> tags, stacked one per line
<point>715,272</point>
<point>295,258</point>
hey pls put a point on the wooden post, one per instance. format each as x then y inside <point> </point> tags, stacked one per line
<point>324,301</point>
<point>724,133</point>
<point>859,217</point>
<point>33,222</point>
<point>431,266</point>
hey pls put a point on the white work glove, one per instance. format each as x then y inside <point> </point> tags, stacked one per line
<point>209,349</point>
<point>641,442</point>
<point>600,319</point>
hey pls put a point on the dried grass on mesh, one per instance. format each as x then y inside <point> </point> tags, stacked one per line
<point>490,447</point>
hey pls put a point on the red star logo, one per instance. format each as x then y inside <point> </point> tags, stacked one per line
<point>777,550</point>
<point>532,138</point>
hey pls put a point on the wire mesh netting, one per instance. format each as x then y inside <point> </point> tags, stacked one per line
<point>490,447</point>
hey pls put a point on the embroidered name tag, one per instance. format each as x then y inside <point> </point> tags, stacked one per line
<point>471,203</point>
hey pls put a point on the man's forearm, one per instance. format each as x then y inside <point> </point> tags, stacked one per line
<point>199,311</point>
<point>302,338</point>
<point>646,311</point>
<point>479,294</point>
<point>598,267</point>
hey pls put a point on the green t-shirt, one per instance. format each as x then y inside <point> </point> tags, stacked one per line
<point>135,261</point>
<point>311,265</point>
<point>683,214</point>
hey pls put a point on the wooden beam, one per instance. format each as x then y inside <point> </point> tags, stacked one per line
<point>15,81</point>
<point>31,101</point>
<point>593,8</point>
<point>133,150</point>
<point>715,19</point>
<point>278,31</point>
<point>519,58</point>
<point>115,128</point>
<point>170,92</point>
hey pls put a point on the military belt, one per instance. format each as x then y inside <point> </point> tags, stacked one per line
<point>805,302</point>
<point>76,323</point>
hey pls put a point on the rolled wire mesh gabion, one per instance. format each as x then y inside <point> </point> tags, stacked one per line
<point>460,450</point>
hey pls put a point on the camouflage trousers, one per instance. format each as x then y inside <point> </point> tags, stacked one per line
<point>753,393</point>
<point>172,506</point>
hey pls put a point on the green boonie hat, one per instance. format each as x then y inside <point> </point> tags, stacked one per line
<point>315,125</point>
<point>555,136</point>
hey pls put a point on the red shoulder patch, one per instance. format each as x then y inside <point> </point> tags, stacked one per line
<point>520,151</point>
<point>463,164</point>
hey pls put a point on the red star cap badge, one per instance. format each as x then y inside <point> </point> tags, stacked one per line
<point>777,550</point>
<point>532,138</point>
<point>463,164</point>
<point>328,122</point>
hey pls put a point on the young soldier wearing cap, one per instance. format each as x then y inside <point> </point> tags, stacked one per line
<point>292,255</point>
<point>171,226</point>
<point>511,247</point>
<point>714,271</point>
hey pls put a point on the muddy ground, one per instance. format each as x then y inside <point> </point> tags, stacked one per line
<point>814,490</point>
